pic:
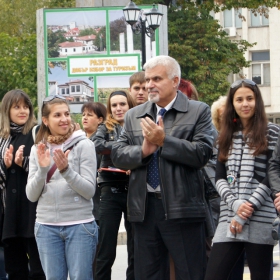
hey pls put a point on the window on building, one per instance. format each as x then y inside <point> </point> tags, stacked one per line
<point>258,20</point>
<point>261,68</point>
<point>233,77</point>
<point>65,50</point>
<point>232,19</point>
<point>63,91</point>
<point>67,91</point>
<point>73,89</point>
<point>78,88</point>
<point>74,50</point>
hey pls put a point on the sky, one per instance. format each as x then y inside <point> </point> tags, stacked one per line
<point>87,18</point>
<point>60,75</point>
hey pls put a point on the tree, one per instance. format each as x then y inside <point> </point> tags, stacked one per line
<point>119,26</point>
<point>100,40</point>
<point>216,5</point>
<point>19,17</point>
<point>18,64</point>
<point>206,54</point>
<point>204,51</point>
<point>87,31</point>
<point>18,55</point>
<point>116,27</point>
<point>54,39</point>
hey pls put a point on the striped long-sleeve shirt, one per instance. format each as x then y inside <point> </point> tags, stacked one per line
<point>250,185</point>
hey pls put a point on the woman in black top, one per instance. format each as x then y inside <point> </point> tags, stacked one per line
<point>113,186</point>
<point>17,213</point>
<point>93,115</point>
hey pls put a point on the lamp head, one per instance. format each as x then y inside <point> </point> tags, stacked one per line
<point>131,13</point>
<point>154,18</point>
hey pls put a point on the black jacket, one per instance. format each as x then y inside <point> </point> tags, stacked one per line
<point>103,141</point>
<point>187,148</point>
<point>18,219</point>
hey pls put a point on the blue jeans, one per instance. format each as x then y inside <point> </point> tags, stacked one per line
<point>64,249</point>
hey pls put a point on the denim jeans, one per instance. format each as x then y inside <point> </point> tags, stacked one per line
<point>66,249</point>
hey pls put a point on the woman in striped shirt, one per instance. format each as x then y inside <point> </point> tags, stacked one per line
<point>246,143</point>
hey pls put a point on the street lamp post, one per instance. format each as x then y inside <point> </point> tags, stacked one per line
<point>144,23</point>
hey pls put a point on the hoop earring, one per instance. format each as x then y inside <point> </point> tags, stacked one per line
<point>234,117</point>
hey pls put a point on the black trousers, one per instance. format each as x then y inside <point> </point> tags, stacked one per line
<point>22,261</point>
<point>2,265</point>
<point>224,256</point>
<point>111,208</point>
<point>156,238</point>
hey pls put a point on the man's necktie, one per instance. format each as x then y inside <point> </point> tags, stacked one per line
<point>152,170</point>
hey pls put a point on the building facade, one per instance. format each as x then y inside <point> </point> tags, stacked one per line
<point>76,91</point>
<point>262,29</point>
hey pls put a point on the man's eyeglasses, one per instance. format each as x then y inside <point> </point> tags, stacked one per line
<point>238,83</point>
<point>52,97</point>
<point>275,226</point>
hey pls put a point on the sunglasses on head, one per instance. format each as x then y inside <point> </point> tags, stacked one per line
<point>52,97</point>
<point>239,82</point>
<point>275,226</point>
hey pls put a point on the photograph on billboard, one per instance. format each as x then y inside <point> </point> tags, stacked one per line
<point>90,52</point>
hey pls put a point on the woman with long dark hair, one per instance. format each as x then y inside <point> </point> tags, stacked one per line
<point>113,185</point>
<point>246,143</point>
<point>22,260</point>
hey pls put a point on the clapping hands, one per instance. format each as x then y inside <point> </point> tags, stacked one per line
<point>43,153</point>
<point>44,158</point>
<point>8,156</point>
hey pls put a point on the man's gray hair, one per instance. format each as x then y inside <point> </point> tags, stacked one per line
<point>173,68</point>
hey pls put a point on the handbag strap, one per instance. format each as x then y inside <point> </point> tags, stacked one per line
<point>51,171</point>
<point>54,167</point>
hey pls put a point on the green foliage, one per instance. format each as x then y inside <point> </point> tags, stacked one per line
<point>19,17</point>
<point>87,31</point>
<point>18,53</point>
<point>116,27</point>
<point>217,5</point>
<point>18,64</point>
<point>206,54</point>
<point>100,40</point>
<point>60,3</point>
<point>77,118</point>
<point>204,51</point>
<point>54,39</point>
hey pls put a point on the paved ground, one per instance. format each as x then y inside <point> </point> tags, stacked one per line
<point>119,267</point>
<point>118,271</point>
